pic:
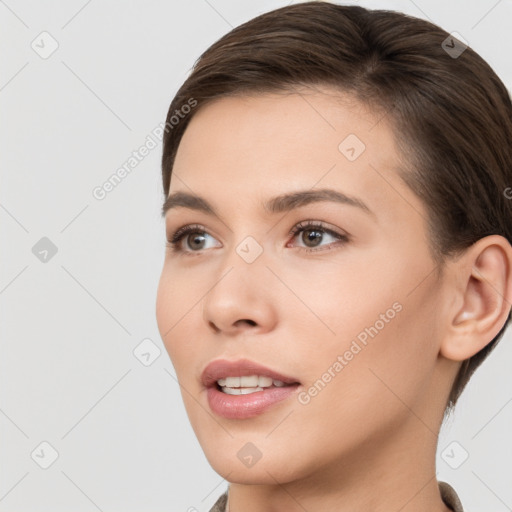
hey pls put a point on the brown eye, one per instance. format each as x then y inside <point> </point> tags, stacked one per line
<point>312,237</point>
<point>313,233</point>
<point>194,240</point>
<point>195,237</point>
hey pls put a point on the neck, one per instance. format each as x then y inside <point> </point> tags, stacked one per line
<point>399,476</point>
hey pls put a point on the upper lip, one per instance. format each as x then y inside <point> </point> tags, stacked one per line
<point>222,368</point>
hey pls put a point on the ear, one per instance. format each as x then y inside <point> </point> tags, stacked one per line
<point>483,285</point>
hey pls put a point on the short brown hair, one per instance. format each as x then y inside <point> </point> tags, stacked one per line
<point>452,115</point>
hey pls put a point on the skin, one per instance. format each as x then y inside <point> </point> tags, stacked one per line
<point>367,441</point>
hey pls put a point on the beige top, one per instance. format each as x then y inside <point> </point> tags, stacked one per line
<point>448,494</point>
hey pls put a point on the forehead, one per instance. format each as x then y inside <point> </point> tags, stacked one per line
<point>261,145</point>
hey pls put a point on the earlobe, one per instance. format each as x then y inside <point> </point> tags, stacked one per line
<point>485,283</point>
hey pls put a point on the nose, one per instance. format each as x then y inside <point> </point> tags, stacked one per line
<point>242,297</point>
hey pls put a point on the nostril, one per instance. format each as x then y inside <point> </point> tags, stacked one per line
<point>214,327</point>
<point>250,322</point>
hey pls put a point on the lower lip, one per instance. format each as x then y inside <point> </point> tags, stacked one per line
<point>247,406</point>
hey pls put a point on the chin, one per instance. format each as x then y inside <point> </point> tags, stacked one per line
<point>261,472</point>
<point>249,476</point>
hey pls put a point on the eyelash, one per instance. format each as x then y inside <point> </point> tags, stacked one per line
<point>173,242</point>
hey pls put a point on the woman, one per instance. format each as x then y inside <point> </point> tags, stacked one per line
<point>339,258</point>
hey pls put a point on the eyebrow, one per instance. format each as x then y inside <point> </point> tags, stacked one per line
<point>279,204</point>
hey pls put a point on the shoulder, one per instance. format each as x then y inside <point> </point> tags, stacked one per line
<point>450,497</point>
<point>220,504</point>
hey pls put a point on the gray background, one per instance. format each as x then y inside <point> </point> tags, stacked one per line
<point>69,326</point>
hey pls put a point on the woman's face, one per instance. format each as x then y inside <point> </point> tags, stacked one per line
<point>354,320</point>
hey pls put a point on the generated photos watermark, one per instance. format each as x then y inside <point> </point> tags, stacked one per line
<point>100,192</point>
<point>356,346</point>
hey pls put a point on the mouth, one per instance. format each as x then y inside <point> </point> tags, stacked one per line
<point>243,388</point>
<point>248,384</point>
<point>243,374</point>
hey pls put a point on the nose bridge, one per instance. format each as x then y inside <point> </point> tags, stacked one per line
<point>239,291</point>
<point>243,268</point>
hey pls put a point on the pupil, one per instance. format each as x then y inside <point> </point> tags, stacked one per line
<point>313,238</point>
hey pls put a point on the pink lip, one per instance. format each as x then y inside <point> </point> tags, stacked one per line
<point>243,406</point>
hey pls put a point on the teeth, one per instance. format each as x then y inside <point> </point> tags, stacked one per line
<point>264,382</point>
<point>232,382</point>
<point>247,384</point>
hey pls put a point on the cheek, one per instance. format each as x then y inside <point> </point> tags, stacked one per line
<point>395,351</point>
<point>164,307</point>
<point>338,299</point>
<point>174,301</point>
<point>376,315</point>
<point>365,384</point>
